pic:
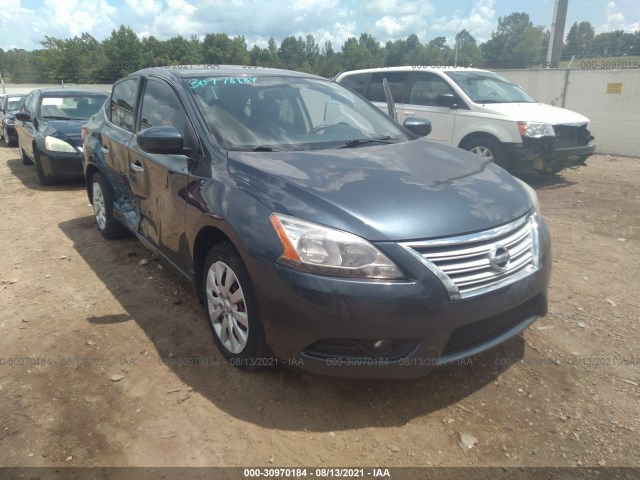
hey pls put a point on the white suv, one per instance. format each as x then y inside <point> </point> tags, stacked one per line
<point>482,112</point>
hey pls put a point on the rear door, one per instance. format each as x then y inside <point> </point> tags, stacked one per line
<point>424,88</point>
<point>398,82</point>
<point>159,181</point>
<point>27,130</point>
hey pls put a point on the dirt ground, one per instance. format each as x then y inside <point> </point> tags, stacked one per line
<point>98,341</point>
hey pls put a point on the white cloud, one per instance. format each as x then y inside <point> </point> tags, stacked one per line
<point>615,20</point>
<point>479,22</point>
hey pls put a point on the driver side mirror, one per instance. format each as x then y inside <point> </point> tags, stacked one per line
<point>164,139</point>
<point>417,125</point>
<point>447,100</point>
<point>23,116</point>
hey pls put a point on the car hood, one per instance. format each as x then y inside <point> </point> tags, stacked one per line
<point>405,191</point>
<point>67,130</point>
<point>536,112</point>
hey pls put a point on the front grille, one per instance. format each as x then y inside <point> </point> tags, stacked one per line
<point>474,264</point>
<point>480,333</point>
<point>567,135</point>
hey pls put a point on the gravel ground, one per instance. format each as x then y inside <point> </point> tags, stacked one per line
<point>98,342</point>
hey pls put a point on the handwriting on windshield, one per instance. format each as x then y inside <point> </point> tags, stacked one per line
<point>203,82</point>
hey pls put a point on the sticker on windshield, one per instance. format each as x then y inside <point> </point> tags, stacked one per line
<point>52,101</point>
<point>203,82</point>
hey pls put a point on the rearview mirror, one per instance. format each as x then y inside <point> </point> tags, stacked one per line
<point>165,140</point>
<point>417,125</point>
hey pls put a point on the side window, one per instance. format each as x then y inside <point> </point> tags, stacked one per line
<point>357,83</point>
<point>26,106</point>
<point>426,88</point>
<point>396,81</point>
<point>122,104</point>
<point>161,107</point>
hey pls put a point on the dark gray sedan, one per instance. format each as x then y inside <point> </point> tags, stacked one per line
<point>316,231</point>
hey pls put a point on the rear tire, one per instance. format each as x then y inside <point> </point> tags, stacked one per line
<point>232,309</point>
<point>44,179</point>
<point>102,198</point>
<point>488,148</point>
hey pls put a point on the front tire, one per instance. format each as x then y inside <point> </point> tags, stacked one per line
<point>102,199</point>
<point>44,179</point>
<point>25,160</point>
<point>232,309</point>
<point>488,148</point>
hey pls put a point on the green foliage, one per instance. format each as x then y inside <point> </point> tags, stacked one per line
<point>516,43</point>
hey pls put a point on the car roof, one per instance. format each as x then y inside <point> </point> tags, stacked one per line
<point>414,68</point>
<point>71,91</point>
<point>188,71</point>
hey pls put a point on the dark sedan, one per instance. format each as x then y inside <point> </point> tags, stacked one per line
<point>49,130</point>
<point>317,231</point>
<point>9,105</point>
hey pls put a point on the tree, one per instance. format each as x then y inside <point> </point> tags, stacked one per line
<point>124,52</point>
<point>437,52</point>
<point>292,52</point>
<point>516,43</point>
<point>363,53</point>
<point>579,40</point>
<point>468,51</point>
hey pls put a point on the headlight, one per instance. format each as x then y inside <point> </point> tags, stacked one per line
<point>10,120</point>
<point>318,249</point>
<point>536,129</point>
<point>54,144</point>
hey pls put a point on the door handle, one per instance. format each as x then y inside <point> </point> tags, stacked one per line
<point>104,149</point>
<point>136,166</point>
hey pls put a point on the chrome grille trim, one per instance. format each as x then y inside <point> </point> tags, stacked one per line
<point>463,263</point>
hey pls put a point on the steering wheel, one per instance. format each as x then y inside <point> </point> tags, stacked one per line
<point>492,93</point>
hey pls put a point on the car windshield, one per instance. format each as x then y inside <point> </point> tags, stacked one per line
<point>72,107</point>
<point>13,103</point>
<point>289,113</point>
<point>488,87</point>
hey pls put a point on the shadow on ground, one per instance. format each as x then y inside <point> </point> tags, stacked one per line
<point>310,402</point>
<point>28,176</point>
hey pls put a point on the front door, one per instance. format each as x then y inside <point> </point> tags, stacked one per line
<point>159,181</point>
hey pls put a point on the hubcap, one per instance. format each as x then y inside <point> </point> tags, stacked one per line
<point>227,307</point>
<point>483,152</point>
<point>98,206</point>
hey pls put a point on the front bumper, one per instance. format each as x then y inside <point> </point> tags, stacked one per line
<point>12,135</point>
<point>329,325</point>
<point>61,164</point>
<point>544,155</point>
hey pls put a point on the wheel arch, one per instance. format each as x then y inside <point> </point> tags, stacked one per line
<point>207,237</point>
<point>477,135</point>
<point>88,178</point>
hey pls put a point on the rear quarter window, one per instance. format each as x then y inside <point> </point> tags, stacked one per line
<point>357,82</point>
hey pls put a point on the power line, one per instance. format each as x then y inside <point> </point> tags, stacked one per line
<point>460,22</point>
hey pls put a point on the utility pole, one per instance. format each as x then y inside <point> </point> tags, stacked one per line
<point>557,33</point>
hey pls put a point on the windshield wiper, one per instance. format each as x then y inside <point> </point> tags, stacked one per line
<point>260,148</point>
<point>363,141</point>
<point>54,117</point>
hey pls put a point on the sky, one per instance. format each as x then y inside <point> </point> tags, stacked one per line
<point>24,23</point>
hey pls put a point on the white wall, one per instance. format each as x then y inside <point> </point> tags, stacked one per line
<point>615,117</point>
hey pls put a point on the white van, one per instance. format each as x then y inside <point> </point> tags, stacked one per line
<point>482,112</point>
